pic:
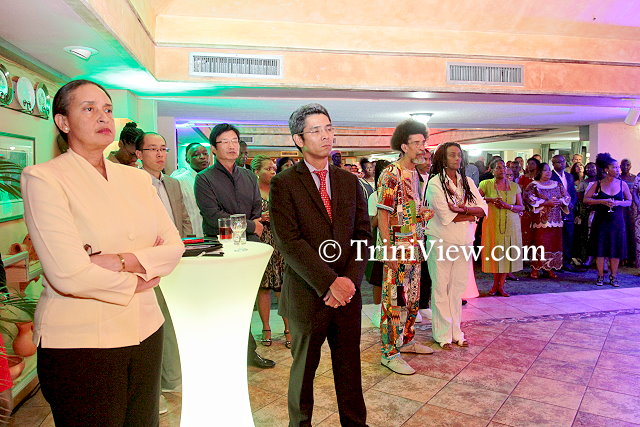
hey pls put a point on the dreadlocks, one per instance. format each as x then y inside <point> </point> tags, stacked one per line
<point>438,168</point>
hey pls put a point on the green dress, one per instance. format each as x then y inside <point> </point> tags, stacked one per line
<point>501,228</point>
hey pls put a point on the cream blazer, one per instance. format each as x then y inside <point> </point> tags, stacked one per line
<point>69,204</point>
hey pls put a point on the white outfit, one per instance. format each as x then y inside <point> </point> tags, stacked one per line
<point>68,205</point>
<point>187,178</point>
<point>450,278</point>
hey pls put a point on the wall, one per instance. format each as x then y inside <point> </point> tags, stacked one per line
<point>618,139</point>
<point>24,124</point>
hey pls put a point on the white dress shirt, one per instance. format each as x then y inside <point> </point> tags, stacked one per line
<point>441,226</point>
<point>187,178</point>
<point>68,205</point>
<point>162,193</point>
<point>316,178</point>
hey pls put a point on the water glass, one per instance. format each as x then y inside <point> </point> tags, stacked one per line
<point>238,227</point>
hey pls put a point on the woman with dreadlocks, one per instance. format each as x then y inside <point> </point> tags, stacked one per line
<point>457,204</point>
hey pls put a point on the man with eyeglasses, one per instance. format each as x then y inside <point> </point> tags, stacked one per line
<point>313,203</point>
<point>225,189</point>
<point>151,150</point>
<point>197,158</point>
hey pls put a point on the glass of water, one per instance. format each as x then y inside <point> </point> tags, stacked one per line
<point>238,227</point>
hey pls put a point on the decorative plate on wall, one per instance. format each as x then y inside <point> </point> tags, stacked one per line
<point>43,101</point>
<point>6,87</point>
<point>25,94</point>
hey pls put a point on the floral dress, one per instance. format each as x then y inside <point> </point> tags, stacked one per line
<point>272,278</point>
<point>547,222</point>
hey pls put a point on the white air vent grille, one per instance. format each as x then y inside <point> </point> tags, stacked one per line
<point>491,74</point>
<point>234,65</point>
<point>247,139</point>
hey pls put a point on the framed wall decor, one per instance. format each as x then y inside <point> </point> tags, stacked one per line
<point>16,153</point>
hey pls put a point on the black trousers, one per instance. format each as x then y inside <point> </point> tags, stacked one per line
<point>425,286</point>
<point>567,240</point>
<point>341,327</point>
<point>103,386</point>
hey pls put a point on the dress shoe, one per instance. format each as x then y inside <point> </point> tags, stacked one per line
<point>426,313</point>
<point>261,362</point>
<point>164,406</point>
<point>398,365</point>
<point>571,268</point>
<point>414,347</point>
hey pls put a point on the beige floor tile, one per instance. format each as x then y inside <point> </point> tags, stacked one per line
<point>415,387</point>
<point>520,344</point>
<point>469,400</point>
<point>550,391</point>
<point>575,373</point>
<point>506,359</point>
<point>622,345</point>
<point>48,422</point>
<point>522,412</point>
<point>586,327</point>
<point>542,331</point>
<point>332,420</point>
<point>613,380</point>
<point>570,354</point>
<point>324,393</point>
<point>611,405</point>
<point>373,373</point>
<point>584,419</point>
<point>275,380</point>
<point>276,414</point>
<point>384,409</point>
<point>479,375</point>
<point>438,365</point>
<point>579,339</point>
<point>435,416</point>
<point>543,309</point>
<point>260,398</point>
<point>30,417</point>
<point>619,362</point>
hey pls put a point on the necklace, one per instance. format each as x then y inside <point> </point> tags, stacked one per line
<point>502,218</point>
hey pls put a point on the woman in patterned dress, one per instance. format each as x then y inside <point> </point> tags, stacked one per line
<point>547,200</point>
<point>265,169</point>
<point>527,216</point>
<point>501,227</point>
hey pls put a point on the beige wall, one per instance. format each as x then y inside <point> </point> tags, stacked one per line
<point>618,139</point>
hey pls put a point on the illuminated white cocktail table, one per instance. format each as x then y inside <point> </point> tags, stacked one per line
<point>211,300</point>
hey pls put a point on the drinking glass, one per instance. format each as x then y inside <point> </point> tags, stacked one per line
<point>611,207</point>
<point>238,227</point>
<point>224,228</point>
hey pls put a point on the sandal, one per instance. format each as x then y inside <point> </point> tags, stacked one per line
<point>613,281</point>
<point>287,343</point>
<point>552,274</point>
<point>534,274</point>
<point>600,281</point>
<point>462,343</point>
<point>266,341</point>
<point>446,346</point>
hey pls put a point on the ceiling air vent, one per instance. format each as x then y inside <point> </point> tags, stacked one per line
<point>490,74</point>
<point>234,65</point>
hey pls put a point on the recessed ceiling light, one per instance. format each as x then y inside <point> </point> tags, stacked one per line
<point>81,51</point>
<point>421,117</point>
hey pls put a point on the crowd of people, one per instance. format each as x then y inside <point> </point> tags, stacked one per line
<point>99,325</point>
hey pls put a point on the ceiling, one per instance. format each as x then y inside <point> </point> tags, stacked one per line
<point>54,24</point>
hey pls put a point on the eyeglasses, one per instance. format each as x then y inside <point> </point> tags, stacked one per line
<point>229,141</point>
<point>318,129</point>
<point>157,150</point>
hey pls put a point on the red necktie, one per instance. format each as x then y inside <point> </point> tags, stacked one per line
<point>323,191</point>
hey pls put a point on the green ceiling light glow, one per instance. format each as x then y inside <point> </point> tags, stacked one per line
<point>81,52</point>
<point>142,82</point>
<point>421,117</point>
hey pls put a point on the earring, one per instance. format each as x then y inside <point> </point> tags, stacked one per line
<point>66,129</point>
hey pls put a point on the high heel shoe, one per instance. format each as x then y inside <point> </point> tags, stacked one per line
<point>287,342</point>
<point>534,274</point>
<point>266,341</point>
<point>552,274</point>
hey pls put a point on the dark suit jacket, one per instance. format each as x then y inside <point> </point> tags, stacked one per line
<point>180,214</point>
<point>300,224</point>
<point>571,190</point>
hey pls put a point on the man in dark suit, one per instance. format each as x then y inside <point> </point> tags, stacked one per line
<point>560,175</point>
<point>311,203</point>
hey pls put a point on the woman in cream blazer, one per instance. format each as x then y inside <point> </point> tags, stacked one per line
<point>104,240</point>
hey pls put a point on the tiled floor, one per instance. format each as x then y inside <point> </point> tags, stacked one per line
<point>571,358</point>
<point>563,359</point>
